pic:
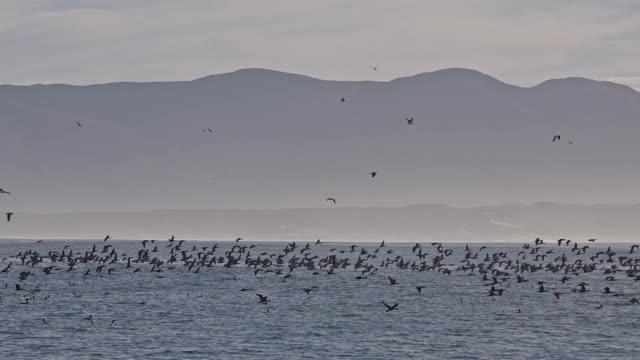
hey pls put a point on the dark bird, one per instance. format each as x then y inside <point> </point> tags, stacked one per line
<point>392,281</point>
<point>343,100</point>
<point>263,299</point>
<point>238,239</point>
<point>331,199</point>
<point>9,215</point>
<point>557,295</point>
<point>107,237</point>
<point>409,121</point>
<point>556,138</point>
<point>78,123</point>
<point>390,307</point>
<point>2,191</point>
<point>373,174</point>
<point>209,130</point>
<point>419,288</point>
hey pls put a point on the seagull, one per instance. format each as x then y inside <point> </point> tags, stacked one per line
<point>9,215</point>
<point>409,121</point>
<point>78,123</point>
<point>390,307</point>
<point>331,199</point>
<point>556,138</point>
<point>373,174</point>
<point>2,191</point>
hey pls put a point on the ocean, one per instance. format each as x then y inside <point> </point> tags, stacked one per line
<point>213,312</point>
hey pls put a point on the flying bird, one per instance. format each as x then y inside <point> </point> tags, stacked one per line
<point>556,138</point>
<point>209,130</point>
<point>263,299</point>
<point>2,191</point>
<point>9,215</point>
<point>373,174</point>
<point>107,237</point>
<point>390,307</point>
<point>409,121</point>
<point>343,100</point>
<point>78,123</point>
<point>331,199</point>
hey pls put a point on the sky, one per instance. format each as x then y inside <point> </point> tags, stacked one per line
<point>521,42</point>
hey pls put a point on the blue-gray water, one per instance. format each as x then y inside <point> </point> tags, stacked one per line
<point>205,315</point>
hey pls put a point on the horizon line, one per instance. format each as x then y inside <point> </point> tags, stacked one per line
<point>338,207</point>
<point>282,72</point>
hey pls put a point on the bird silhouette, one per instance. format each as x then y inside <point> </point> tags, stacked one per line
<point>390,307</point>
<point>409,121</point>
<point>556,138</point>
<point>2,191</point>
<point>9,215</point>
<point>263,299</point>
<point>331,199</point>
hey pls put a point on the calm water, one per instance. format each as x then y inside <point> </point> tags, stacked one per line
<point>205,315</point>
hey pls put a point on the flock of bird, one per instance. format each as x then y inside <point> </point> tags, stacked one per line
<point>24,272</point>
<point>556,268</point>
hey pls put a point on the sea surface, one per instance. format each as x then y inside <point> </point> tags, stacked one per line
<point>178,313</point>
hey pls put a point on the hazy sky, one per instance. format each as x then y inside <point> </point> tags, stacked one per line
<point>521,42</point>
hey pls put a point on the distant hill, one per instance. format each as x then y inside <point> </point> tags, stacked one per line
<point>286,141</point>
<point>423,223</point>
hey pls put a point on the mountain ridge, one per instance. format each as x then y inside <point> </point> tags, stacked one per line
<point>289,141</point>
<point>445,73</point>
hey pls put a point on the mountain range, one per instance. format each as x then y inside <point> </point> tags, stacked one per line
<point>286,141</point>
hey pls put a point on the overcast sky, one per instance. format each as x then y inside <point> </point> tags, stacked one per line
<point>520,42</point>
